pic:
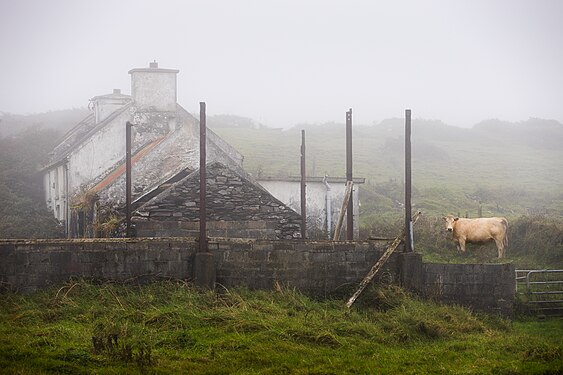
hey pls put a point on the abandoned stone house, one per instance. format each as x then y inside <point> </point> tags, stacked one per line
<point>84,178</point>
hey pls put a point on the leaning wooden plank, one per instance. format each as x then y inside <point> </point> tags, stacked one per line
<point>345,201</point>
<point>377,266</point>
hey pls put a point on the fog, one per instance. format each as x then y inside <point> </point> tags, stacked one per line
<point>288,62</point>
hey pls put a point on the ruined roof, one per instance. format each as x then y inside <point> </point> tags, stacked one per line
<point>175,153</point>
<point>120,170</point>
<point>78,134</point>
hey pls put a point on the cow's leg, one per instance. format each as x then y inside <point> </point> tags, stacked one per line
<point>500,248</point>
<point>461,244</point>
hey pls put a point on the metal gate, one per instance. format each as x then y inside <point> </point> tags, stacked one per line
<point>541,291</point>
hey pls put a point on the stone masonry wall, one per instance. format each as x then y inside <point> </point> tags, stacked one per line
<point>35,264</point>
<point>231,198</point>
<point>316,268</point>
<point>489,287</point>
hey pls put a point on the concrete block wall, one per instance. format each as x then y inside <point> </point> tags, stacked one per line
<point>316,268</point>
<point>487,287</point>
<point>319,268</point>
<point>27,266</point>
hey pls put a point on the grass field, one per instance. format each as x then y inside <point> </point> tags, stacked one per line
<point>167,327</point>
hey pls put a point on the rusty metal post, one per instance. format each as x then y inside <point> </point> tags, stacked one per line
<point>202,179</point>
<point>128,126</point>
<point>303,189</point>
<point>350,210</point>
<point>409,243</point>
<point>204,271</point>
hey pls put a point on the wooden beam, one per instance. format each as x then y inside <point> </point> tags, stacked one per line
<point>377,266</point>
<point>347,194</point>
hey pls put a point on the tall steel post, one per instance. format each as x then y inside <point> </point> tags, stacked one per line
<point>350,209</point>
<point>303,189</point>
<point>204,272</point>
<point>128,126</point>
<point>202,179</point>
<point>409,243</point>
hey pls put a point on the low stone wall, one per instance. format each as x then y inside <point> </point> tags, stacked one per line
<point>319,268</point>
<point>485,287</point>
<point>316,268</point>
<point>30,265</point>
<point>488,287</point>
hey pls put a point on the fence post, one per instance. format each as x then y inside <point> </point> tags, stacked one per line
<point>303,189</point>
<point>349,177</point>
<point>204,265</point>
<point>409,242</point>
<point>128,126</point>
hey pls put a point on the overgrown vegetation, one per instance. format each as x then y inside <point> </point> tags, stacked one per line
<point>167,327</point>
<point>23,212</point>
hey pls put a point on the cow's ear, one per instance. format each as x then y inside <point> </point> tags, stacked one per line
<point>456,219</point>
<point>445,218</point>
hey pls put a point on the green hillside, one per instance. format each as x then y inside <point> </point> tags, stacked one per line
<point>511,168</point>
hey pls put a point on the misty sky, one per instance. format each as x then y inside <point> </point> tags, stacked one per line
<point>288,62</point>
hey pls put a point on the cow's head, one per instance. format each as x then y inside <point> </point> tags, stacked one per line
<point>450,220</point>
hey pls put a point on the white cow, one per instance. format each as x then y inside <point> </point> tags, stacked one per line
<point>478,231</point>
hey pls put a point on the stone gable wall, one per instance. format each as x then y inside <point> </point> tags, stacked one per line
<point>235,204</point>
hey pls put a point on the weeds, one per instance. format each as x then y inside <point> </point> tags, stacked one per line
<point>168,327</point>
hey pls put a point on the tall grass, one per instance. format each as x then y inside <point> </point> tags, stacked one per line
<point>168,327</point>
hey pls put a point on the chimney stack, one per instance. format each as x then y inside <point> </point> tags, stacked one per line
<point>153,88</point>
<point>105,105</point>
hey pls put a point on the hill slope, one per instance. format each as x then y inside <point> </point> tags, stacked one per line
<point>511,168</point>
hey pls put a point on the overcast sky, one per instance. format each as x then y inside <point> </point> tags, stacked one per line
<point>288,62</point>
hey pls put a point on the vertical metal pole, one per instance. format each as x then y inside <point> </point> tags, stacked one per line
<point>303,189</point>
<point>409,243</point>
<point>128,126</point>
<point>67,197</point>
<point>202,179</point>
<point>350,209</point>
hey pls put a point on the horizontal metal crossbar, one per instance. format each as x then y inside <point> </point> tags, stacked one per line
<point>547,301</point>
<point>546,282</point>
<point>548,292</point>
<point>538,290</point>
